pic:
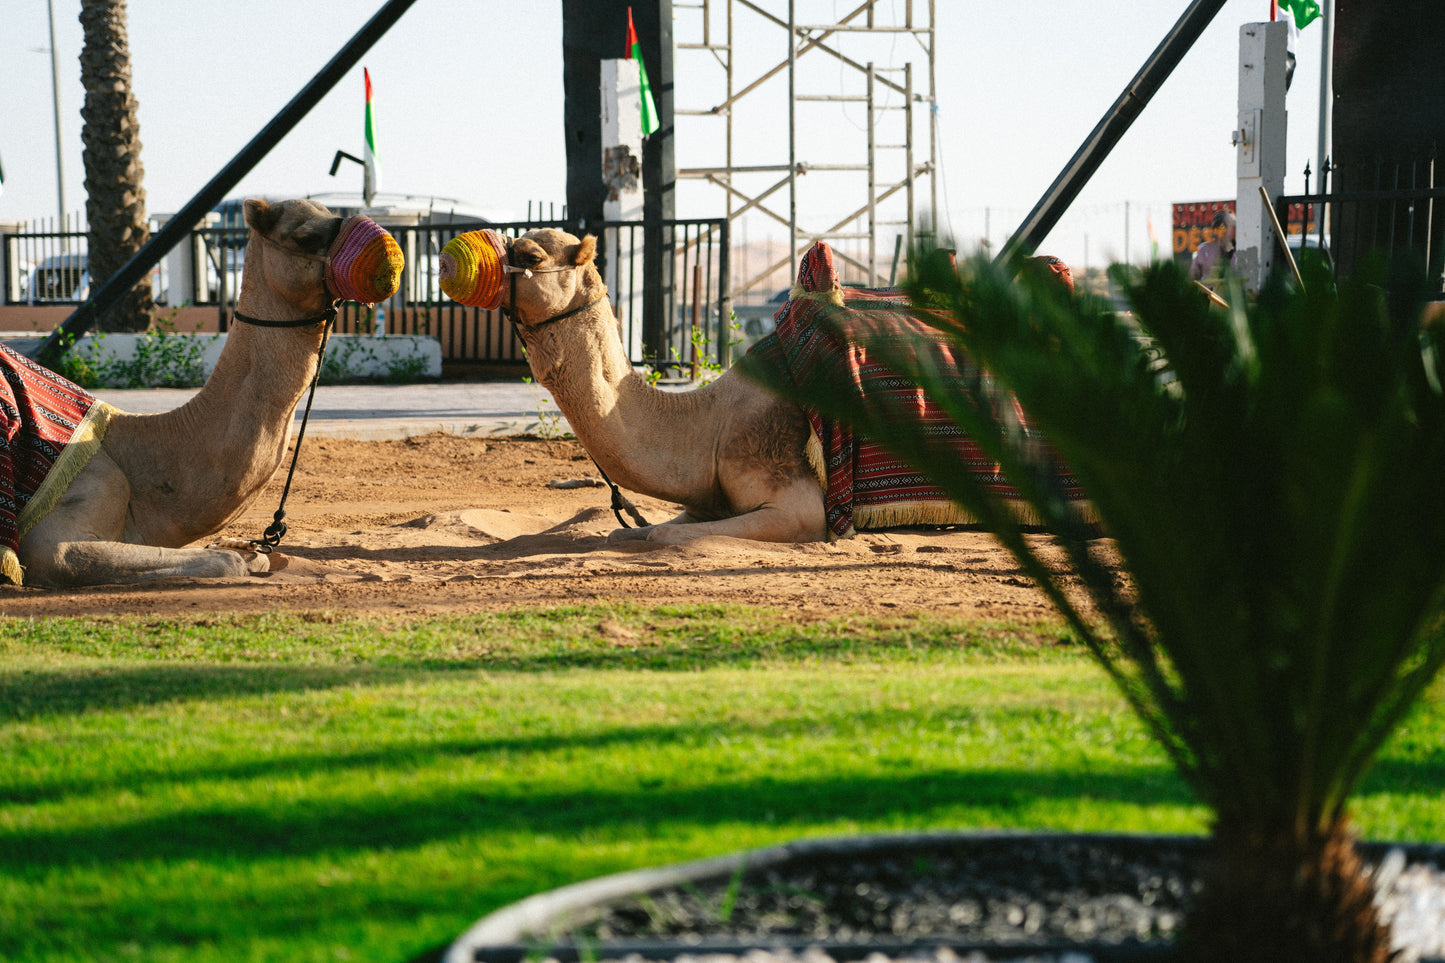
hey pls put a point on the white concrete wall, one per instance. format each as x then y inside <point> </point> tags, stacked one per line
<point>348,356</point>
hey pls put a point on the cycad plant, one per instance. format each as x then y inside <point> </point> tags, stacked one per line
<point>1268,591</point>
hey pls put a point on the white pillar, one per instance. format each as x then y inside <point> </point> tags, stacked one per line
<point>1259,138</point>
<point>181,262</point>
<point>622,176</point>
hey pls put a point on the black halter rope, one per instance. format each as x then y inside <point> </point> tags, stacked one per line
<point>277,529</point>
<point>620,502</point>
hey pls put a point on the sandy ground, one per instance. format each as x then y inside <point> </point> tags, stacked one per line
<point>443,524</point>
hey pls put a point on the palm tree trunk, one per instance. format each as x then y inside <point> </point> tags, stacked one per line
<point>1283,897</point>
<point>115,202</point>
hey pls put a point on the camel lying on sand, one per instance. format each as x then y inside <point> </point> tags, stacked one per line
<point>741,459</point>
<point>158,482</point>
<point>730,452</point>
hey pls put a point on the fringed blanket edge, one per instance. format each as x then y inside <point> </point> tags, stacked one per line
<point>83,445</point>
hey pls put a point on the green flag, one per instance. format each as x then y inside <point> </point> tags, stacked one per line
<point>650,122</point>
<point>1303,11</point>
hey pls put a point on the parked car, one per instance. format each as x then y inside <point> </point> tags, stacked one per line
<point>59,277</point>
<point>1299,242</point>
<point>66,278</point>
<point>755,318</point>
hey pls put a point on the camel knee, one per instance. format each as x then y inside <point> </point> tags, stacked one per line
<point>39,569</point>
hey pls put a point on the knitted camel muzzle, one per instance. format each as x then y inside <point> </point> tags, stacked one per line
<point>471,268</point>
<point>364,263</point>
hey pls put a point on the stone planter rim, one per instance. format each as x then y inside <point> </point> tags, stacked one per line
<point>512,931</point>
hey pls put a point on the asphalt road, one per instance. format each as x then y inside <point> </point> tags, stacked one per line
<point>381,412</point>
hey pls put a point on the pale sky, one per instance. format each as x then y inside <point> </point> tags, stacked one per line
<point>469,105</point>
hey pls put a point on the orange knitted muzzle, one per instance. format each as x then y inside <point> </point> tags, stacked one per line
<point>472,268</point>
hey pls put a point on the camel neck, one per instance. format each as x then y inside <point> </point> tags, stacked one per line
<point>194,467</point>
<point>610,407</point>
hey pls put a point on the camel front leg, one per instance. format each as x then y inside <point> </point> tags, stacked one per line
<point>77,564</point>
<point>81,541</point>
<point>795,515</point>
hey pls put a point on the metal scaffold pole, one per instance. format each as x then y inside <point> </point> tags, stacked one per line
<point>884,168</point>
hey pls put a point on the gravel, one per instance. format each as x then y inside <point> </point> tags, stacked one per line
<point>1050,898</point>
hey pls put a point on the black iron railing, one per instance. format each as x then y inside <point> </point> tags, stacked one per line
<point>690,328</point>
<point>1396,208</point>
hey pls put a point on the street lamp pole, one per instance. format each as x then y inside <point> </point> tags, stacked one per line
<point>55,98</point>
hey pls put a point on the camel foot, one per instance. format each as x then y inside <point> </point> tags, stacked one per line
<point>256,562</point>
<point>234,544</point>
<point>643,534</point>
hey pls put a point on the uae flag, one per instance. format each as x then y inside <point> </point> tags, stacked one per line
<point>371,175</point>
<point>1303,12</point>
<point>1297,14</point>
<point>650,123</point>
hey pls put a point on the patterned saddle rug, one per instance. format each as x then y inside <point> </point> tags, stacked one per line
<point>49,429</point>
<point>823,336</point>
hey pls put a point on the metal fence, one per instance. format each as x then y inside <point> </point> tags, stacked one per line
<point>1396,208</point>
<point>43,267</point>
<point>675,323</point>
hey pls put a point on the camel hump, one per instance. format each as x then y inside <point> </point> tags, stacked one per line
<point>816,272</point>
<point>1051,269</point>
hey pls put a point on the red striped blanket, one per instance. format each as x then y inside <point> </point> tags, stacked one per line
<point>49,428</point>
<point>831,332</point>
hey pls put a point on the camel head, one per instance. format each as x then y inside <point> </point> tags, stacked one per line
<point>541,275</point>
<point>306,257</point>
<point>563,274</point>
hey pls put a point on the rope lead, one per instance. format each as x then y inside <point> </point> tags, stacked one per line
<point>277,529</point>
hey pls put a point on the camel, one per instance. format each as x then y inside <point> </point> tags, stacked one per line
<point>730,452</point>
<point>162,481</point>
<point>740,458</point>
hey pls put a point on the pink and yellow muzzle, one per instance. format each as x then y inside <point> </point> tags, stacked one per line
<point>364,263</point>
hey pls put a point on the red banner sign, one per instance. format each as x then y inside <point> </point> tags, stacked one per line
<point>1194,224</point>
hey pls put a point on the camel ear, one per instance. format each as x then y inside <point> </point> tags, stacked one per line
<point>259,214</point>
<point>586,251</point>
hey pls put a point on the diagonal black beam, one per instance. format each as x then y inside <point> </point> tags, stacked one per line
<point>176,229</point>
<point>1110,129</point>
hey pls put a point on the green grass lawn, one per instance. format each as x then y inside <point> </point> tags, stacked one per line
<point>324,788</point>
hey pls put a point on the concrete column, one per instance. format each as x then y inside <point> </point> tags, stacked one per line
<point>621,92</point>
<point>1259,139</point>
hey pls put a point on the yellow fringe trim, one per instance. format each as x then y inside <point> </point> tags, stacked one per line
<point>76,454</point>
<point>933,512</point>
<point>898,514</point>
<point>834,296</point>
<point>814,451</point>
<point>814,454</point>
<point>10,566</point>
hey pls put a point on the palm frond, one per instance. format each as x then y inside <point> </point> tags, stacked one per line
<point>1268,476</point>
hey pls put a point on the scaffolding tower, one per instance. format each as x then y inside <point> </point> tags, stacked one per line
<point>887,155</point>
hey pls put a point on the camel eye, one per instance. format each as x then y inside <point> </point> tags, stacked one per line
<point>315,239</point>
